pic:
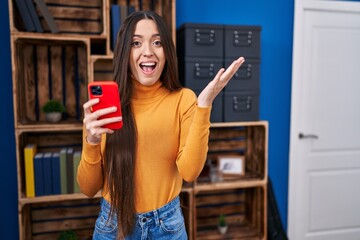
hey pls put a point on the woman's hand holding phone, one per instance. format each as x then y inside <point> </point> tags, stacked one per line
<point>94,125</point>
<point>102,113</point>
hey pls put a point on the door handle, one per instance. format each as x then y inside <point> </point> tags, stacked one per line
<point>305,136</point>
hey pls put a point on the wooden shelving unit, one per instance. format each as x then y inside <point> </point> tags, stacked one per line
<point>242,199</point>
<point>60,65</point>
<point>42,62</point>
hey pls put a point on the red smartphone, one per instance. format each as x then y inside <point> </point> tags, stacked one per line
<point>108,94</point>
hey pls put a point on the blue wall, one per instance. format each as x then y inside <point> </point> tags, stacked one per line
<point>276,19</point>
<point>8,179</point>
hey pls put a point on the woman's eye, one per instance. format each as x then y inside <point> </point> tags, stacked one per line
<point>158,43</point>
<point>136,43</point>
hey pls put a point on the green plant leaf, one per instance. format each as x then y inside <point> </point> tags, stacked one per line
<point>53,106</point>
<point>68,235</point>
<point>222,220</point>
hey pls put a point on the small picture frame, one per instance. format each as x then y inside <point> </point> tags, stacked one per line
<point>231,165</point>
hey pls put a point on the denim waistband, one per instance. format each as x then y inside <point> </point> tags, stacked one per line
<point>160,213</point>
<point>156,214</point>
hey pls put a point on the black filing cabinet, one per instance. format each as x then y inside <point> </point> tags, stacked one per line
<point>203,49</point>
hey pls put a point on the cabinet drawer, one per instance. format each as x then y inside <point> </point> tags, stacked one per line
<point>246,78</point>
<point>241,106</point>
<point>200,40</point>
<point>196,73</point>
<point>242,41</point>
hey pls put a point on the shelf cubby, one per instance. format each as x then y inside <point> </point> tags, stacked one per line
<point>50,69</point>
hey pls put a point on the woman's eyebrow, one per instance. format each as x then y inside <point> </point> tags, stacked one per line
<point>141,36</point>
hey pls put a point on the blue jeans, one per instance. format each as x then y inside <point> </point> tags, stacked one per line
<point>164,223</point>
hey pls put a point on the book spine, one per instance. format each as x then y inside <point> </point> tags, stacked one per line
<point>77,157</point>
<point>115,23</point>
<point>70,170</point>
<point>33,15</point>
<point>63,173</point>
<point>39,174</point>
<point>47,173</point>
<point>123,13</point>
<point>55,176</point>
<point>131,9</point>
<point>47,16</point>
<point>29,154</point>
<point>25,15</point>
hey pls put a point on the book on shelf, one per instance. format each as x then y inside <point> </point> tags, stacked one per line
<point>55,173</point>
<point>131,9</point>
<point>47,16</point>
<point>77,157</point>
<point>25,15</point>
<point>123,13</point>
<point>39,174</point>
<point>67,170</point>
<point>70,170</point>
<point>63,173</point>
<point>33,14</point>
<point>115,23</point>
<point>47,173</point>
<point>29,154</point>
<point>118,15</point>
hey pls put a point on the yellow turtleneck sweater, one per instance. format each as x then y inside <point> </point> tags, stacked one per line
<point>172,145</point>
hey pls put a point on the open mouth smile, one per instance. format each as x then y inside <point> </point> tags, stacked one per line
<point>148,67</point>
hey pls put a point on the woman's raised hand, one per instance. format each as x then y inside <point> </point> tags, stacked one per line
<point>93,126</point>
<point>207,96</point>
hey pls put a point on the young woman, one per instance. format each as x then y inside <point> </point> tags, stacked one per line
<point>140,168</point>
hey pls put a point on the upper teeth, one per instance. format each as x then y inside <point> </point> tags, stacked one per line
<point>148,64</point>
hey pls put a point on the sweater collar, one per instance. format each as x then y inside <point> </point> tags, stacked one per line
<point>147,92</point>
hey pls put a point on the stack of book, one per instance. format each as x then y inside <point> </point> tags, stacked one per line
<point>30,17</point>
<point>118,14</point>
<point>51,173</point>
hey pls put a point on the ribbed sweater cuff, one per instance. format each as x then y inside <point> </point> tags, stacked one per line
<point>92,152</point>
<point>202,115</point>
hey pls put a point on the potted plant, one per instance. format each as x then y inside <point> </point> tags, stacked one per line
<point>222,226</point>
<point>53,110</point>
<point>68,235</point>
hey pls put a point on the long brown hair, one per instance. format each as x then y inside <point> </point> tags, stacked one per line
<point>121,146</point>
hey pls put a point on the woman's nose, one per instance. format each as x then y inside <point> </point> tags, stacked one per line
<point>148,52</point>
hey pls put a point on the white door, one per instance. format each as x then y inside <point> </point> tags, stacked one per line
<point>324,174</point>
